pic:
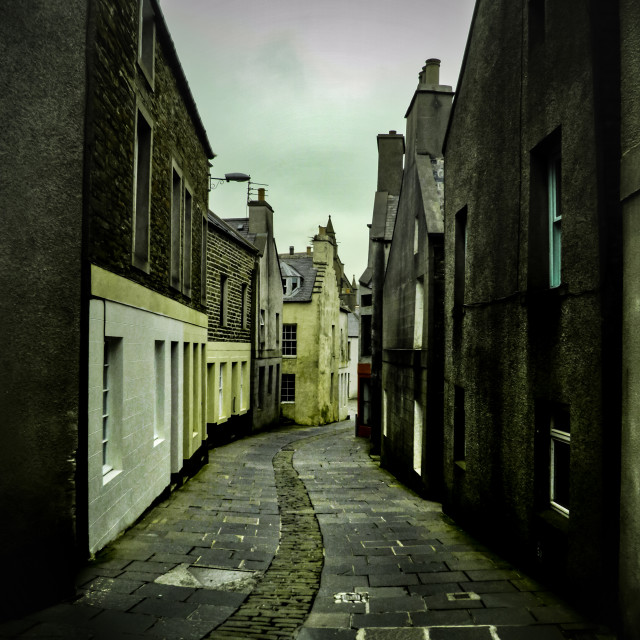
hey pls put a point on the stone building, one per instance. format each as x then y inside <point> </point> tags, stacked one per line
<point>104,194</point>
<point>413,293</point>
<point>536,383</point>
<point>231,269</point>
<point>266,304</point>
<point>314,334</point>
<point>385,208</point>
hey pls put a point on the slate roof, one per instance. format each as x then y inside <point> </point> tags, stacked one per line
<point>229,231</point>
<point>241,226</point>
<point>303,264</point>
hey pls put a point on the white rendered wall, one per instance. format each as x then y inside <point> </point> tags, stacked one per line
<point>236,387</point>
<point>151,401</point>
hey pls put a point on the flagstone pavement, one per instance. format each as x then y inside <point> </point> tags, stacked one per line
<point>298,533</point>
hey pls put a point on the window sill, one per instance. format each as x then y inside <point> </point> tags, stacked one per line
<point>555,520</point>
<point>110,475</point>
<point>158,441</point>
<point>287,402</point>
<point>290,357</point>
<point>461,464</point>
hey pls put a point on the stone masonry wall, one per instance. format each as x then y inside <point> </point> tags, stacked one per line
<point>227,257</point>
<point>119,88</point>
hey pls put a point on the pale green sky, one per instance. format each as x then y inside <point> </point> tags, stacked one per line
<point>294,93</point>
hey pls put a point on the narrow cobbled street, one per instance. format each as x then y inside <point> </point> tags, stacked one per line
<point>298,533</point>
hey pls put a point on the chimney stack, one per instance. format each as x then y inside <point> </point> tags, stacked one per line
<point>431,72</point>
<point>390,162</point>
<point>308,251</point>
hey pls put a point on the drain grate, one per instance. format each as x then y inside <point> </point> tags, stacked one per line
<point>462,595</point>
<point>351,597</point>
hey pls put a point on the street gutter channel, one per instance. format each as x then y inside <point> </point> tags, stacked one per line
<point>283,597</point>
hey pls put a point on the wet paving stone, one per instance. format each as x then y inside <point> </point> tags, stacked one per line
<point>299,534</point>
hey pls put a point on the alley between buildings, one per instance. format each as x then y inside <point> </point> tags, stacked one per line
<point>298,533</point>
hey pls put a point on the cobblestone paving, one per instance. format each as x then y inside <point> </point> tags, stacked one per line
<point>299,534</point>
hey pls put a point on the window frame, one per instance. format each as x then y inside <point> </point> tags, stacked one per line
<point>559,436</point>
<point>289,340</point>
<point>142,182</point>
<point>288,388</point>
<point>147,41</point>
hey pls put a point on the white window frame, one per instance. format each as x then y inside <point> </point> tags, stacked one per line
<point>106,406</point>
<point>221,373</point>
<point>142,179</point>
<point>563,437</point>
<point>288,384</point>
<point>554,186</point>
<point>289,340</point>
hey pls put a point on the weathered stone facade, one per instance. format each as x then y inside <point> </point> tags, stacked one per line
<point>96,97</point>
<point>533,290</point>
<point>412,298</point>
<point>121,89</point>
<point>231,258</point>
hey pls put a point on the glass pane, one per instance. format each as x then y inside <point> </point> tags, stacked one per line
<point>560,462</point>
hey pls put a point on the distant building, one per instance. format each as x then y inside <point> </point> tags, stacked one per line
<point>413,295</point>
<point>104,199</point>
<point>352,346</point>
<point>314,334</point>
<point>266,314</point>
<point>231,268</point>
<point>541,274</point>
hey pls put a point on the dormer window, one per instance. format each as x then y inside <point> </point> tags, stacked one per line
<point>290,284</point>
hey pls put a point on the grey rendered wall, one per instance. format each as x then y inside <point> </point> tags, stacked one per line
<point>630,196</point>
<point>512,348</point>
<point>42,45</point>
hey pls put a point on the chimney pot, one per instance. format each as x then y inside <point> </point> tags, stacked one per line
<point>261,194</point>
<point>392,132</point>
<point>432,71</point>
<point>291,250</point>
<point>308,251</point>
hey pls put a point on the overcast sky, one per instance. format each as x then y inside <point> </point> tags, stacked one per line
<point>294,93</point>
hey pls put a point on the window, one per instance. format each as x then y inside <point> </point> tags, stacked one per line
<point>142,199</point>
<point>536,22</point>
<point>417,437</point>
<point>555,219</point>
<point>242,370</point>
<point>111,406</point>
<point>158,423</point>
<point>221,390</point>
<point>234,386</point>
<point>366,300</point>
<point>416,229</point>
<point>331,389</point>
<point>290,284</point>
<point>203,262</point>
<point>176,227</point>
<point>223,299</point>
<point>418,316</point>
<point>559,472</point>
<point>333,340</point>
<point>243,305</point>
<point>260,387</point>
<point>459,426</point>
<point>460,258</point>
<point>288,387</point>
<point>270,382</point>
<point>289,339</point>
<point>545,221</point>
<point>365,338</point>
<point>106,406</point>
<point>277,329</point>
<point>262,326</point>
<point>147,40</point>
<point>186,243</point>
<point>384,412</point>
